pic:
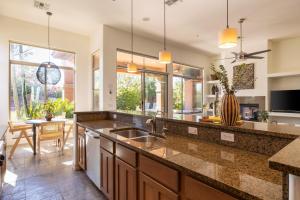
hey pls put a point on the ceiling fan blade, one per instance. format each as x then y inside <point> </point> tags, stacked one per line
<point>254,57</point>
<point>225,58</point>
<point>258,52</point>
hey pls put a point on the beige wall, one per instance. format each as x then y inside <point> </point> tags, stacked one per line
<point>28,33</point>
<point>285,55</point>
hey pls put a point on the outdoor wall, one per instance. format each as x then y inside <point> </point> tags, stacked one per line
<point>114,39</point>
<point>32,34</point>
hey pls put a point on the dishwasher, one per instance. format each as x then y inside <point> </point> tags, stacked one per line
<point>93,156</point>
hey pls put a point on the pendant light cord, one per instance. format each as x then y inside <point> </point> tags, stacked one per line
<point>241,34</point>
<point>227,15</point>
<point>131,31</point>
<point>165,48</point>
<point>49,15</point>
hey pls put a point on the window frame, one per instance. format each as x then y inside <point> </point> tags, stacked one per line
<point>143,72</point>
<point>32,64</point>
<point>188,77</point>
<point>95,53</point>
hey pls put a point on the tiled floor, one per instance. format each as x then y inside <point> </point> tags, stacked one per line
<point>49,178</point>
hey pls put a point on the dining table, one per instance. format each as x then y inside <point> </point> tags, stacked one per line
<point>36,123</point>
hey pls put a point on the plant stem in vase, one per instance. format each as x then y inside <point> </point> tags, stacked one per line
<point>230,109</point>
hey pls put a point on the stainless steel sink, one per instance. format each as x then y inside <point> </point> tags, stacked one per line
<point>130,132</point>
<point>146,139</point>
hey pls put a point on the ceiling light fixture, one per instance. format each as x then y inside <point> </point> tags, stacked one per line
<point>48,72</point>
<point>228,37</point>
<point>165,57</point>
<point>131,67</point>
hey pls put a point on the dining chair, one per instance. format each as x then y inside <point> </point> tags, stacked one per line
<point>51,131</point>
<point>68,129</point>
<point>19,131</point>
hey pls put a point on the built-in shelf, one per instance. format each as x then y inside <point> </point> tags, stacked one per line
<point>280,114</point>
<point>213,82</point>
<point>283,74</point>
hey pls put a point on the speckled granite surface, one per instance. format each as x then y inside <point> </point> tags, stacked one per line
<point>284,131</point>
<point>287,159</point>
<point>243,174</point>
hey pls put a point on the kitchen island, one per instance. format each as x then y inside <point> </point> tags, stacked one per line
<point>195,164</point>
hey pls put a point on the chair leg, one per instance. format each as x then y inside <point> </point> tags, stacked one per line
<point>28,139</point>
<point>39,146</point>
<point>62,145</point>
<point>12,151</point>
<point>68,134</point>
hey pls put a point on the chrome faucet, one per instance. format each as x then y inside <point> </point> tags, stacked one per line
<point>152,121</point>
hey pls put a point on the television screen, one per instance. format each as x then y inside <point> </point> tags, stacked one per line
<point>285,101</point>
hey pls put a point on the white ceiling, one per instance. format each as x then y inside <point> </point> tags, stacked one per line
<point>193,23</point>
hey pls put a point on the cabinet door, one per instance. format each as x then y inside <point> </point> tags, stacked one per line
<point>196,190</point>
<point>152,190</point>
<point>125,181</point>
<point>81,151</point>
<point>107,173</point>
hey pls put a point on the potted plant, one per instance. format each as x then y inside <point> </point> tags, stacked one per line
<point>68,109</point>
<point>230,108</point>
<point>263,116</point>
<point>49,109</point>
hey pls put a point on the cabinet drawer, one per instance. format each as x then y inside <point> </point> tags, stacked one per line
<point>193,189</point>
<point>107,144</point>
<point>161,173</point>
<point>125,154</point>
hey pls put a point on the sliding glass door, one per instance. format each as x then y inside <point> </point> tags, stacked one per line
<point>155,92</point>
<point>129,90</point>
<point>187,89</point>
<point>145,90</point>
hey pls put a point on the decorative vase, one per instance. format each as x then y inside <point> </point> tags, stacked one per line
<point>49,116</point>
<point>213,77</point>
<point>230,110</point>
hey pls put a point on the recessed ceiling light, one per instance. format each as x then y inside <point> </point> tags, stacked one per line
<point>41,5</point>
<point>146,19</point>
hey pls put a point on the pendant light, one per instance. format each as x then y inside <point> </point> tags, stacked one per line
<point>228,37</point>
<point>165,57</point>
<point>131,67</point>
<point>48,73</point>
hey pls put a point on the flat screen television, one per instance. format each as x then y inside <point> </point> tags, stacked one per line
<point>285,101</point>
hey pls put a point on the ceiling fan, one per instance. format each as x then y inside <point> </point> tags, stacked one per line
<point>243,55</point>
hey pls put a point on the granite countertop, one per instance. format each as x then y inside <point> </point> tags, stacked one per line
<point>241,173</point>
<point>284,131</point>
<point>102,124</point>
<point>287,159</point>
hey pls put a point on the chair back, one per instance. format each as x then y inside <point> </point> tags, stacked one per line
<point>52,128</point>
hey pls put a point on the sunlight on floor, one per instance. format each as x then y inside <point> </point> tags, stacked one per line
<point>28,149</point>
<point>68,163</point>
<point>10,178</point>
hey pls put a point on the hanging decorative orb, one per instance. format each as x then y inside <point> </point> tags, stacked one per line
<point>48,73</point>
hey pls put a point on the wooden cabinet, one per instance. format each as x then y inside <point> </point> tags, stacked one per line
<point>125,181</point>
<point>165,175</point>
<point>81,150</point>
<point>107,173</point>
<point>195,190</point>
<point>151,190</point>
